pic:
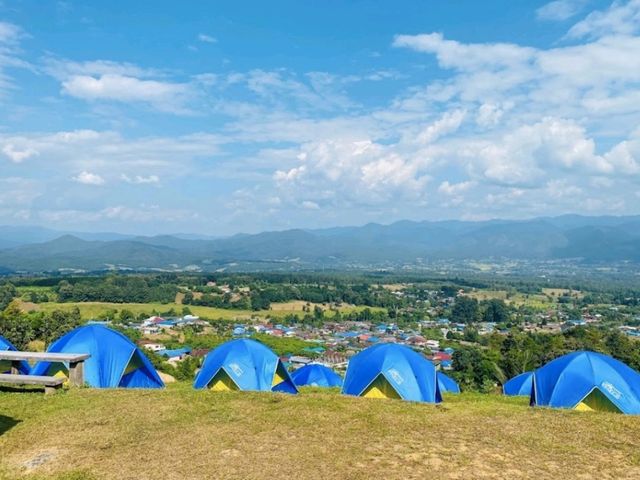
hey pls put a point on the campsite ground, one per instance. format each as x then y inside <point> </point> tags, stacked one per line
<point>179,433</point>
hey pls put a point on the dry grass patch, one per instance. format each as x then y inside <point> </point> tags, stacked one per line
<point>180,433</point>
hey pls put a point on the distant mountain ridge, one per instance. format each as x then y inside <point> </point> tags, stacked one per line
<point>589,239</point>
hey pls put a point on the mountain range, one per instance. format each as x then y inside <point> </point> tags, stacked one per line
<point>585,239</point>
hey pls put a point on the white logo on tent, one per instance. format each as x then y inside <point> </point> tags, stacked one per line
<point>236,369</point>
<point>395,375</point>
<point>617,394</point>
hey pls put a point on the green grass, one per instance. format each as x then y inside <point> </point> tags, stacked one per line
<point>89,310</point>
<point>180,433</point>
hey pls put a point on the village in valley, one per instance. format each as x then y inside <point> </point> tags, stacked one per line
<point>424,325</point>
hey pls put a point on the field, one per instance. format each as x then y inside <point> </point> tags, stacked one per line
<point>538,301</point>
<point>179,433</point>
<point>90,310</point>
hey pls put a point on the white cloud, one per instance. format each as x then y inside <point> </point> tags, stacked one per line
<point>162,95</point>
<point>88,178</point>
<point>309,205</point>
<point>203,37</point>
<point>467,57</point>
<point>455,188</point>
<point>560,10</point>
<point>140,179</point>
<point>9,33</point>
<point>18,155</point>
<point>621,18</point>
<point>10,36</point>
<point>450,122</point>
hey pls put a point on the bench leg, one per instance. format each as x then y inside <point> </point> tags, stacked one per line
<point>76,374</point>
<point>49,389</point>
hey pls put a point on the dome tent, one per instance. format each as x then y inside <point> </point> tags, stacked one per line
<point>316,375</point>
<point>389,370</point>
<point>587,381</point>
<point>114,362</point>
<point>447,384</point>
<point>5,366</point>
<point>519,385</point>
<point>244,364</point>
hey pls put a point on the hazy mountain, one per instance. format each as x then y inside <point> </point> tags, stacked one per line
<point>589,239</point>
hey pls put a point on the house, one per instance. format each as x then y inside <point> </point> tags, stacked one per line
<point>176,355</point>
<point>200,352</point>
<point>167,324</point>
<point>299,360</point>
<point>153,347</point>
<point>417,341</point>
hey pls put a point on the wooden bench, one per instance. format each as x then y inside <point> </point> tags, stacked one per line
<point>50,384</point>
<point>75,361</point>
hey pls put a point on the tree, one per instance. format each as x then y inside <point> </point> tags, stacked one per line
<point>14,327</point>
<point>496,311</point>
<point>7,293</point>
<point>465,310</point>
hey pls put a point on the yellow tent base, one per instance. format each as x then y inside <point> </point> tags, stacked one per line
<point>596,401</point>
<point>381,388</point>
<point>280,375</point>
<point>222,382</point>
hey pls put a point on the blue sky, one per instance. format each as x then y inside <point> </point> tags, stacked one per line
<point>224,117</point>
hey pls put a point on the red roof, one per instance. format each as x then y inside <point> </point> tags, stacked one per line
<point>441,356</point>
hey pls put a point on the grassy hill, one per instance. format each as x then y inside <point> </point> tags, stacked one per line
<point>179,433</point>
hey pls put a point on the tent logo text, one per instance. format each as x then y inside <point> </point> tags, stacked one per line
<point>612,390</point>
<point>236,369</point>
<point>395,375</point>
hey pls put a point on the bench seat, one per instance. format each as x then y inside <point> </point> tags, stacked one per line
<point>50,384</point>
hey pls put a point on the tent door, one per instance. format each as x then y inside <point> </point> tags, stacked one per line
<point>222,382</point>
<point>380,388</point>
<point>596,400</point>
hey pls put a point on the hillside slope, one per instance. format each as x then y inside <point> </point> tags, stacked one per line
<point>179,433</point>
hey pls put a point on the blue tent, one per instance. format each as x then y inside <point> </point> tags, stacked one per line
<point>519,385</point>
<point>115,361</point>
<point>244,364</point>
<point>316,375</point>
<point>447,384</point>
<point>389,370</point>
<point>6,366</point>
<point>587,381</point>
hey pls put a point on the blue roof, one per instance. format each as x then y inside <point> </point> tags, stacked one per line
<point>250,364</point>
<point>5,345</point>
<point>314,349</point>
<point>446,383</point>
<point>178,352</point>
<point>568,380</point>
<point>519,385</point>
<point>114,362</point>
<point>409,373</point>
<point>448,350</point>
<point>316,375</point>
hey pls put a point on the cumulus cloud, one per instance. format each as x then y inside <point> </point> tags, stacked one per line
<point>88,178</point>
